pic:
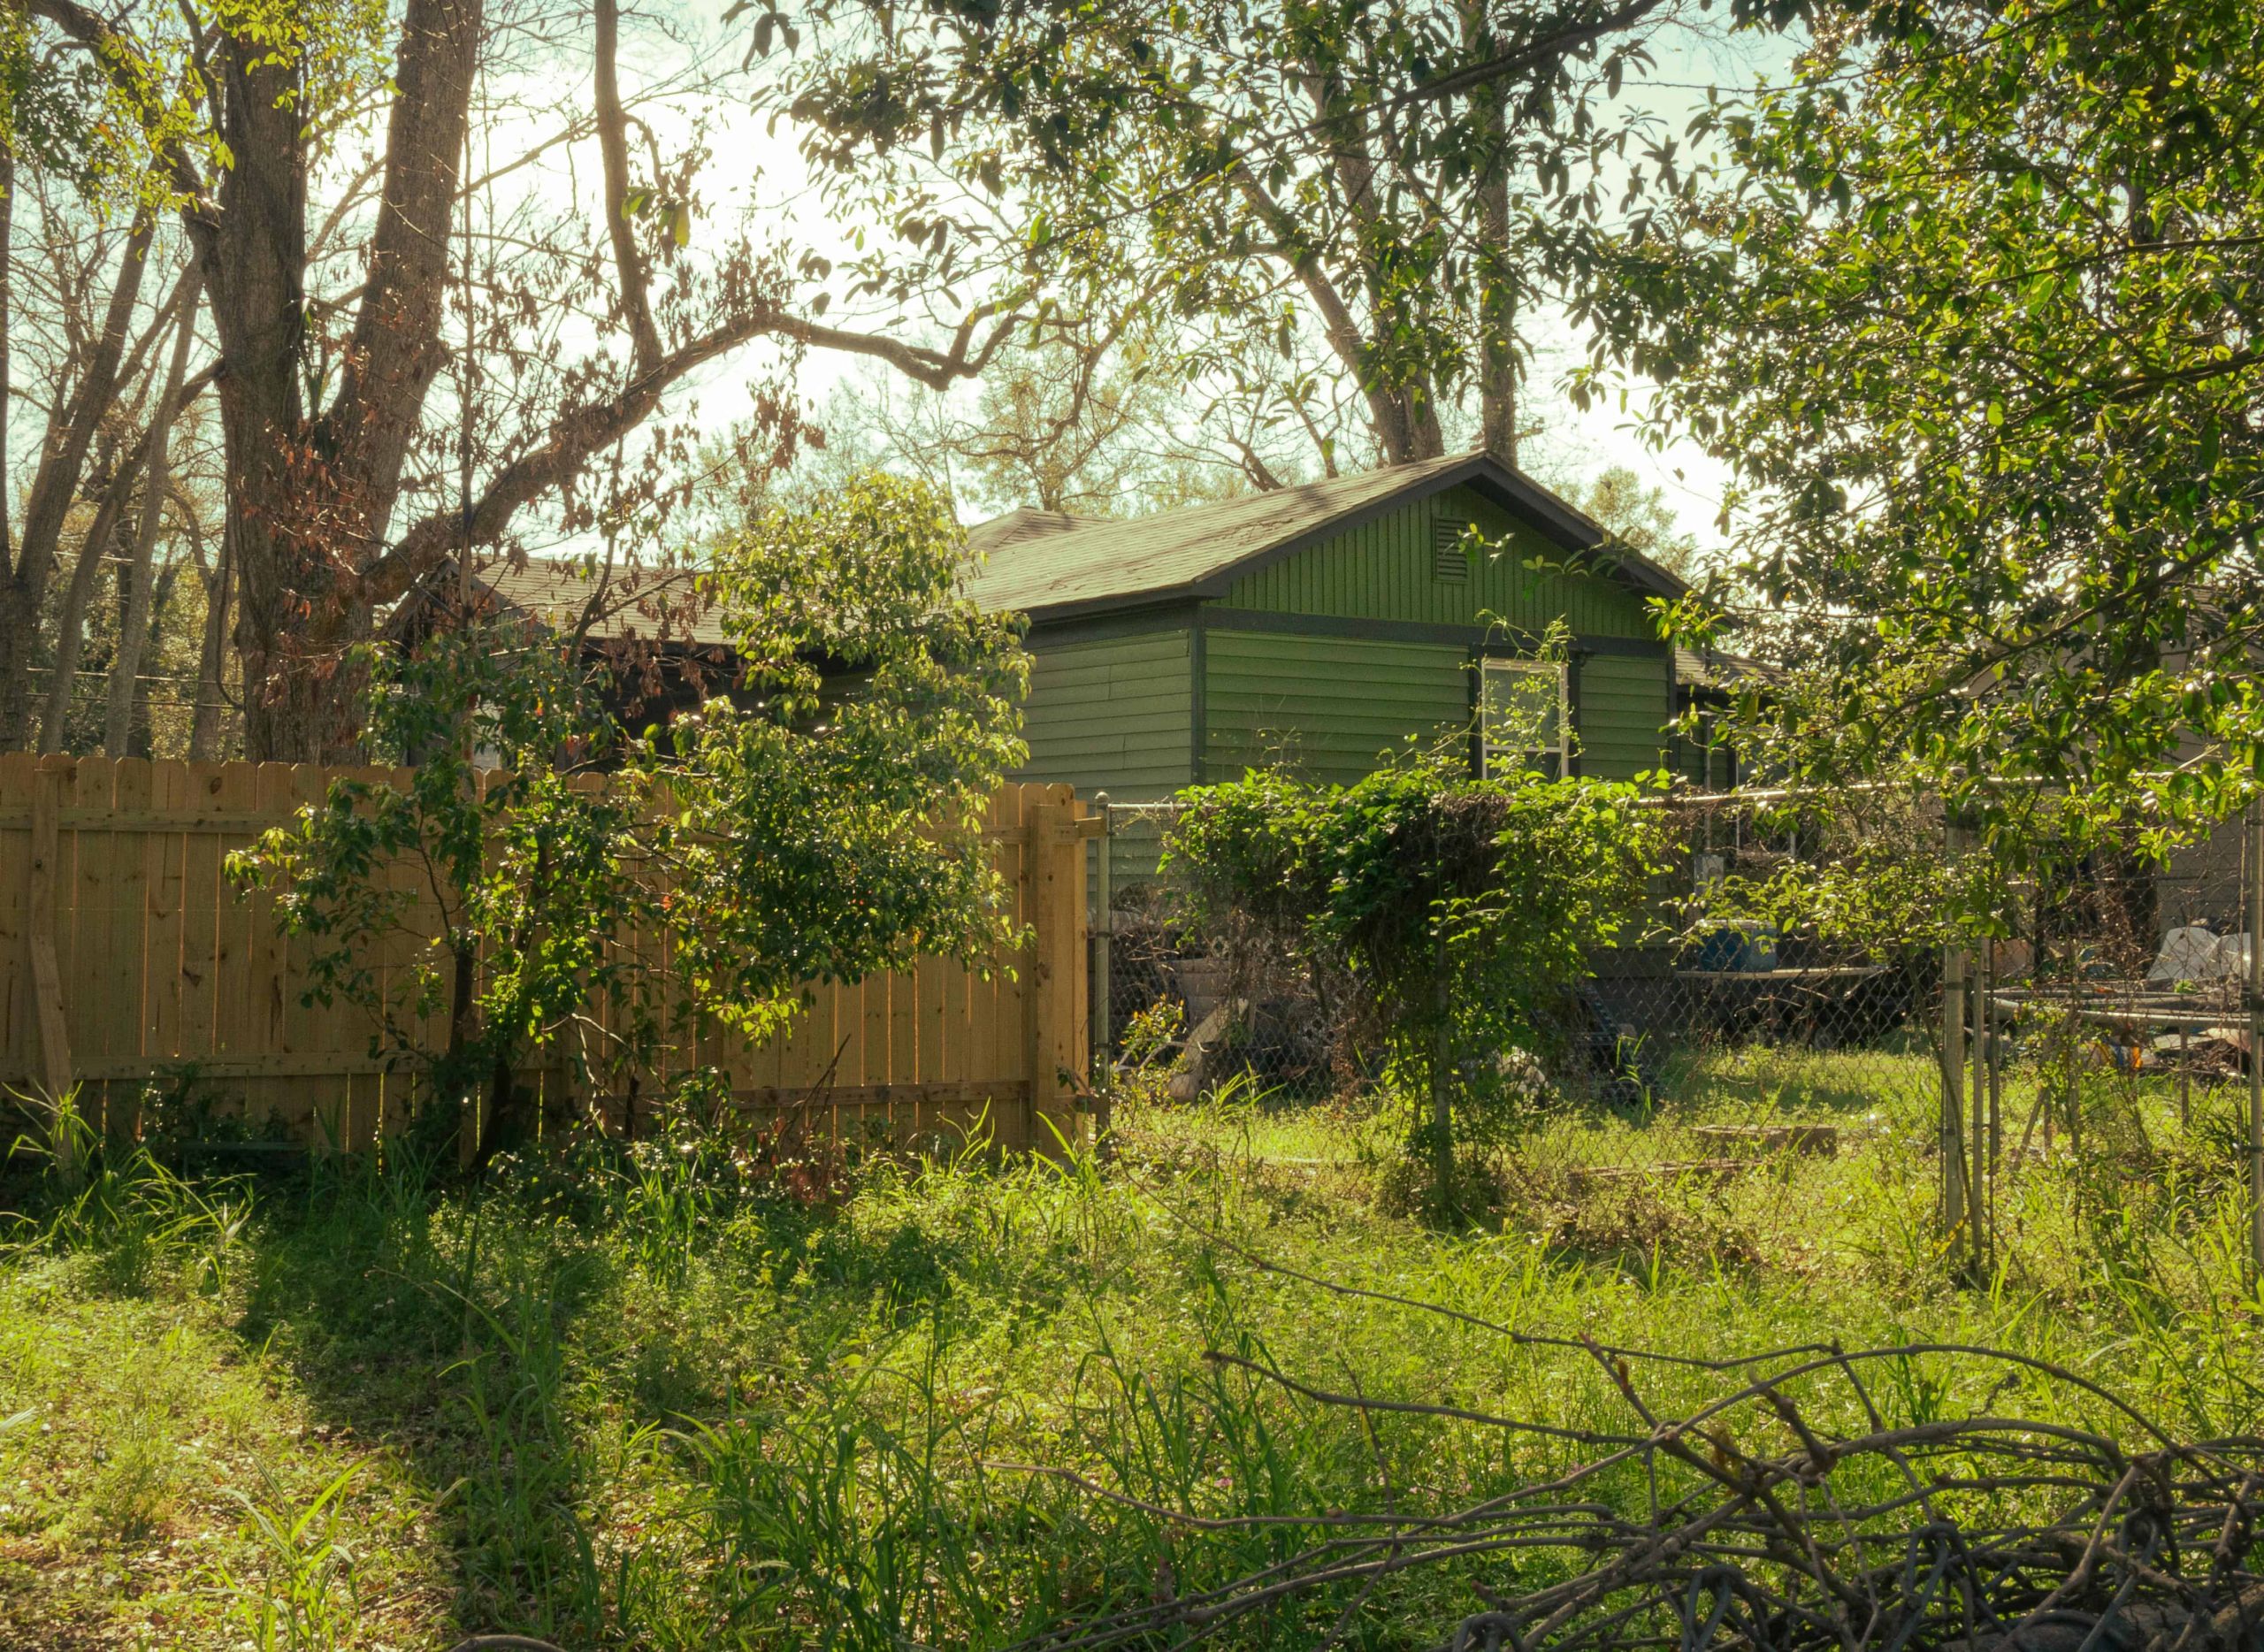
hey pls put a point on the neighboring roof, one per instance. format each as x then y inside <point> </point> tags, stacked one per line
<point>1710,668</point>
<point>1051,566</point>
<point>1023,523</point>
<point>652,604</point>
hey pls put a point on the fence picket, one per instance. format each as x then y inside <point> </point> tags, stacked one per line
<point>87,869</point>
<point>202,894</point>
<point>17,1016</point>
<point>165,854</point>
<point>163,964</point>
<point>127,941</point>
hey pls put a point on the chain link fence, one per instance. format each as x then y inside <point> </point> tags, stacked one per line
<point>1757,1065</point>
<point>1196,1005</point>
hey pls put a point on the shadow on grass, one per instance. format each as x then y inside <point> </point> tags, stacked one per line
<point>537,1351</point>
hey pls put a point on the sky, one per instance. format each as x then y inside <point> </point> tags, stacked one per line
<point>755,174</point>
<point>760,169</point>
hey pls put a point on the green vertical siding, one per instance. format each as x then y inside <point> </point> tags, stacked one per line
<point>1125,714</point>
<point>1384,569</point>
<point>1624,710</point>
<point>1325,707</point>
<point>1112,714</point>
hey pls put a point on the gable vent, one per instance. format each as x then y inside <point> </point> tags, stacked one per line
<point>1449,559</point>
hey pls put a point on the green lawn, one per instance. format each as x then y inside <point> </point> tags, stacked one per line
<point>635,1402</point>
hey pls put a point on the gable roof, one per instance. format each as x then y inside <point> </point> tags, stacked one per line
<point>1025,522</point>
<point>1053,567</point>
<point>1712,671</point>
<point>653,605</point>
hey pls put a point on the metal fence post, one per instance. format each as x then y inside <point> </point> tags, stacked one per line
<point>1953,1098</point>
<point>1977,1186</point>
<point>1103,929</point>
<point>1996,1024</point>
<point>2255,891</point>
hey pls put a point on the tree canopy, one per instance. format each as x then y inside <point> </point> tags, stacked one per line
<point>1976,314</point>
<point>366,282</point>
<point>1349,216</point>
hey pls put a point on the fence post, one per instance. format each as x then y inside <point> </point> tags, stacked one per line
<point>1952,1100</point>
<point>1103,929</point>
<point>2255,891</point>
<point>1978,1183</point>
<point>46,976</point>
<point>1056,1029</point>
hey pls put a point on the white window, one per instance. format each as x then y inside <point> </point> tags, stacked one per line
<point>1522,717</point>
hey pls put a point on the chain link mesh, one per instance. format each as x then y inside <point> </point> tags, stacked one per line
<point>1764,1064</point>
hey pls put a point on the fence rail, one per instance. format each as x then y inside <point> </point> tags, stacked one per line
<point>128,961</point>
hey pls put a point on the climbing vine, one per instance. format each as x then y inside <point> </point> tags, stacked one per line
<point>1464,912</point>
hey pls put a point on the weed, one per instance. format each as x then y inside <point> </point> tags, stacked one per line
<point>137,1477</point>
<point>658,1399</point>
<point>304,1594</point>
<point>140,1221</point>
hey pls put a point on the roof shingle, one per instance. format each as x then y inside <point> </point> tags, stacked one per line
<point>1047,565</point>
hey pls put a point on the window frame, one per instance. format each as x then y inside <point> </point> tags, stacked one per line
<point>1494,761</point>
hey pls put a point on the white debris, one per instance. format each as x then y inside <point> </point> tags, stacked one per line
<point>2193,953</point>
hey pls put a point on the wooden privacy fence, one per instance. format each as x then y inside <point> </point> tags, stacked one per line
<point>127,961</point>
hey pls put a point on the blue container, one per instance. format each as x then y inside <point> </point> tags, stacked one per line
<point>1738,948</point>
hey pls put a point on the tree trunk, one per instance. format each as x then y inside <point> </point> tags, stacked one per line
<point>55,487</point>
<point>142,737</point>
<point>255,273</point>
<point>1497,296</point>
<point>7,287</point>
<point>78,596</point>
<point>134,580</point>
<point>219,590</point>
<point>313,502</point>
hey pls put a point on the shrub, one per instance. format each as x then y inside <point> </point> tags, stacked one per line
<point>819,822</point>
<point>1461,911</point>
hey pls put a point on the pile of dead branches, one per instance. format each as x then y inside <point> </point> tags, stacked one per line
<point>1754,1525</point>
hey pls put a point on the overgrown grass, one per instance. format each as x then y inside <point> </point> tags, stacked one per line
<point>633,1400</point>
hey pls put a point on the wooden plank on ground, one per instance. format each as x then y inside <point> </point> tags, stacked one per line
<point>1820,1140</point>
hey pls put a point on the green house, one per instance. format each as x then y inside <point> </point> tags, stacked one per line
<point>1320,626</point>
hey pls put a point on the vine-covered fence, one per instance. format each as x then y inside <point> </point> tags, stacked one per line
<point>1819,976</point>
<point>131,967</point>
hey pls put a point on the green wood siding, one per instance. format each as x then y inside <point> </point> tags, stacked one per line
<point>1384,569</point>
<point>1112,716</point>
<point>1124,712</point>
<point>1325,706</point>
<point>1624,708</point>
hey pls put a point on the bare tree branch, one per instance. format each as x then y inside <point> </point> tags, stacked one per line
<point>613,145</point>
